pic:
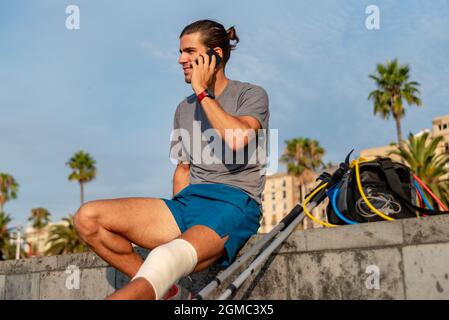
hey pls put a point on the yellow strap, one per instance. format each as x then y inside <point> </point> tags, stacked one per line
<point>304,207</point>
<point>355,164</point>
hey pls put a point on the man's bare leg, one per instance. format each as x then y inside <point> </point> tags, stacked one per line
<point>209,247</point>
<point>110,227</point>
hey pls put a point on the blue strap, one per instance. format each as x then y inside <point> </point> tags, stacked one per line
<point>422,195</point>
<point>333,194</point>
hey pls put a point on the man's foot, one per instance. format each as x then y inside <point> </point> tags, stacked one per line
<point>178,292</point>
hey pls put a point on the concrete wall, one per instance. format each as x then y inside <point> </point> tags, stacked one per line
<point>410,258</point>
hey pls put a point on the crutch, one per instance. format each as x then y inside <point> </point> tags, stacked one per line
<point>281,231</point>
<point>273,246</point>
<point>295,212</point>
<point>318,194</point>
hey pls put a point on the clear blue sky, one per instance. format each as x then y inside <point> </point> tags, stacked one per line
<point>111,87</point>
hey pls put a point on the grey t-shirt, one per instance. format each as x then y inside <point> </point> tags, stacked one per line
<point>194,140</point>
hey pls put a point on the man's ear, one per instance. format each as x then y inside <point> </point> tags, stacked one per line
<point>219,51</point>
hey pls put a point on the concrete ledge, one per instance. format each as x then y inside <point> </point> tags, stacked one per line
<point>342,275</point>
<point>426,230</point>
<point>2,286</point>
<point>410,257</point>
<point>22,287</point>
<point>93,284</point>
<point>423,276</point>
<point>378,234</point>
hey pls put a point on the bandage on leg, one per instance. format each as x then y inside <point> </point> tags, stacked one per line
<point>167,264</point>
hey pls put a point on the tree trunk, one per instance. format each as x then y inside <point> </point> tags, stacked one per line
<point>82,192</point>
<point>398,129</point>
<point>39,238</point>
<point>397,119</point>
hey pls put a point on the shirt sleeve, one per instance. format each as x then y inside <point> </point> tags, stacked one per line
<point>253,101</point>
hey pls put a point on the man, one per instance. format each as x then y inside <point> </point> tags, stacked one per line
<point>215,206</point>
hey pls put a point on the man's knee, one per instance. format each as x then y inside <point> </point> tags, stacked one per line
<point>168,263</point>
<point>86,219</point>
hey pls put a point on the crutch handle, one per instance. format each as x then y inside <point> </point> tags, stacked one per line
<point>291,216</point>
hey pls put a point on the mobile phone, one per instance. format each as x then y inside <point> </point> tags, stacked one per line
<point>211,52</point>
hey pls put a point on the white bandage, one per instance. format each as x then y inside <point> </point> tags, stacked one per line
<point>167,264</point>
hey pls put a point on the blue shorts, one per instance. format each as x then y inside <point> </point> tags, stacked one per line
<point>225,209</point>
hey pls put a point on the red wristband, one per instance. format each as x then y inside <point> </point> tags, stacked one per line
<point>202,95</point>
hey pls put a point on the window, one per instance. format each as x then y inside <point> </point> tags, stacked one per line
<point>439,127</point>
<point>272,185</point>
<point>274,220</point>
<point>284,194</point>
<point>446,147</point>
<point>284,183</point>
<point>274,207</point>
<point>273,196</point>
<point>445,126</point>
<point>285,206</point>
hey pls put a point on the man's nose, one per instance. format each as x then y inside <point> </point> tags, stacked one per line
<point>183,58</point>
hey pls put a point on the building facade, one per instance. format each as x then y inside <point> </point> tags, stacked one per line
<point>282,192</point>
<point>440,127</point>
<point>36,240</point>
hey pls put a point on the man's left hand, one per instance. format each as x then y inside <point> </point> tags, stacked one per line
<point>202,72</point>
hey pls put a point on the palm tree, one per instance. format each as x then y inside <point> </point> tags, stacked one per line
<point>64,239</point>
<point>40,218</point>
<point>8,189</point>
<point>419,153</point>
<point>4,234</point>
<point>84,170</point>
<point>392,88</point>
<point>7,249</point>
<point>302,156</point>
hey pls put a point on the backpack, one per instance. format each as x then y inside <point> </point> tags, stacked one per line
<point>388,187</point>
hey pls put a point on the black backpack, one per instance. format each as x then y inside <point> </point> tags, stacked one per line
<point>388,186</point>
